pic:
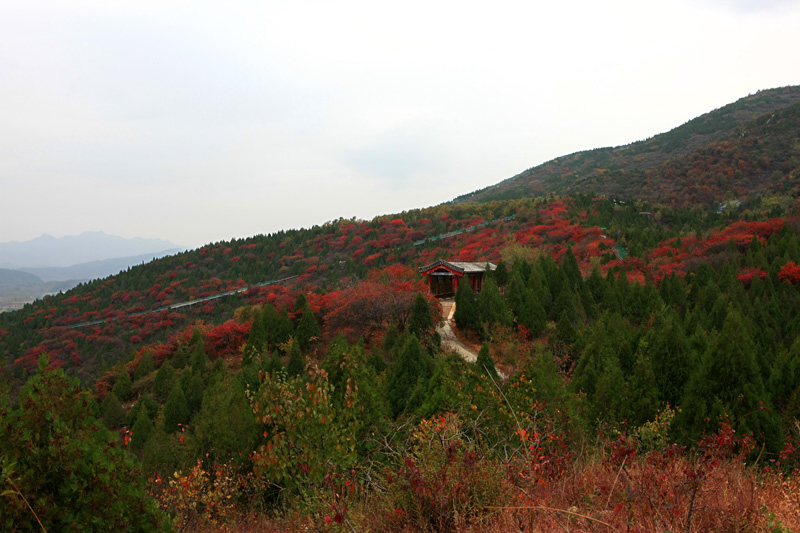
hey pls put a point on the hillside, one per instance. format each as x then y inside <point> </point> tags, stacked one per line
<point>743,149</point>
<point>13,278</point>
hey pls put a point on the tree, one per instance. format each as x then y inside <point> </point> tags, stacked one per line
<point>297,364</point>
<point>175,411</point>
<point>111,411</point>
<point>256,339</point>
<point>122,388</point>
<point>493,309</point>
<point>466,314</point>
<point>485,363</point>
<point>308,329</point>
<point>164,380</point>
<point>141,431</point>
<point>421,322</point>
<point>146,366</point>
<point>66,465</point>
<point>192,385</point>
<point>728,383</point>
<point>412,366</point>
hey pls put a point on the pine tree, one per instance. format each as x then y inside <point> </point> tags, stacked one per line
<point>175,411</point>
<point>192,385</point>
<point>728,382</point>
<point>123,385</point>
<point>141,430</point>
<point>308,329</point>
<point>492,308</point>
<point>466,314</point>
<point>164,381</point>
<point>413,365</point>
<point>296,365</point>
<point>181,357</point>
<point>199,358</point>
<point>421,322</point>
<point>485,362</point>
<point>255,340</point>
<point>146,366</point>
<point>111,411</point>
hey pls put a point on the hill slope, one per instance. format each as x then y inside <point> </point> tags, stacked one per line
<point>745,130</point>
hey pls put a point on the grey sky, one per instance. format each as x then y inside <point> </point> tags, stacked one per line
<point>200,121</point>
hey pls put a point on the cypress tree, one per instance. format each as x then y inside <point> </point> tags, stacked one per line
<point>175,411</point>
<point>485,362</point>
<point>296,366</point>
<point>728,382</point>
<point>165,379</point>
<point>141,430</point>
<point>412,366</point>
<point>492,307</point>
<point>181,356</point>
<point>199,358</point>
<point>193,386</point>
<point>466,314</point>
<point>122,387</point>
<point>308,329</point>
<point>146,366</point>
<point>255,340</point>
<point>111,411</point>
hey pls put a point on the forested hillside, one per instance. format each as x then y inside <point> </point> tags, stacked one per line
<point>638,366</point>
<point>743,150</point>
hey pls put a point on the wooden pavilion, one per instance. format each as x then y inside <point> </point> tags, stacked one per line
<point>444,276</point>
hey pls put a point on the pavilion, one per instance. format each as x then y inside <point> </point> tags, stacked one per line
<point>444,276</point>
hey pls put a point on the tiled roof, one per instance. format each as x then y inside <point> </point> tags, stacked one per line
<point>460,266</point>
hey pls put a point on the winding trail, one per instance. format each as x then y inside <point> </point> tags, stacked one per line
<point>449,339</point>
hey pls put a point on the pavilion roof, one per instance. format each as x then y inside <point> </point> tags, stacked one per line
<point>462,267</point>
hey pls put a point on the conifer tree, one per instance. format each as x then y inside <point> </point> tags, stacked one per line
<point>728,382</point>
<point>181,357</point>
<point>141,431</point>
<point>282,329</point>
<point>421,322</point>
<point>199,358</point>
<point>175,411</point>
<point>111,411</point>
<point>413,365</point>
<point>165,379</point>
<point>533,315</point>
<point>146,366</point>
<point>485,362</point>
<point>123,385</point>
<point>466,314</point>
<point>273,363</point>
<point>492,308</point>
<point>296,365</point>
<point>255,340</point>
<point>193,386</point>
<point>308,329</point>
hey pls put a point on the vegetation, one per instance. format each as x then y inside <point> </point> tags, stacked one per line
<point>637,369</point>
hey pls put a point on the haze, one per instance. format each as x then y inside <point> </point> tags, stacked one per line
<point>202,121</point>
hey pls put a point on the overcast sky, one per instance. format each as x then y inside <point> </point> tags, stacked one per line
<point>202,121</point>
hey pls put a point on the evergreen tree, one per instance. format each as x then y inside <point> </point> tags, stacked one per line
<point>146,366</point>
<point>466,314</point>
<point>164,381</point>
<point>308,329</point>
<point>282,329</point>
<point>175,411</point>
<point>297,365</point>
<point>671,355</point>
<point>192,385</point>
<point>273,364</point>
<point>728,382</point>
<point>421,322</point>
<point>492,308</point>
<point>141,431</point>
<point>123,385</point>
<point>181,357</point>
<point>111,411</point>
<point>485,362</point>
<point>255,340</point>
<point>412,366</point>
<point>533,315</point>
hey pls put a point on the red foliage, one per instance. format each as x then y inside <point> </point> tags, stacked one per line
<point>790,272</point>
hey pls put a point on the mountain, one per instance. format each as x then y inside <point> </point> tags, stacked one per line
<point>48,251</point>
<point>95,269</point>
<point>743,149</point>
<point>14,278</point>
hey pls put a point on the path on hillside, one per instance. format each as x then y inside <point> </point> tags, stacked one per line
<point>449,339</point>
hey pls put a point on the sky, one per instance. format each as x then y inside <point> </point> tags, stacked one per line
<point>199,121</point>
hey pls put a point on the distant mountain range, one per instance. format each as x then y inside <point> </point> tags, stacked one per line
<point>47,264</point>
<point>90,246</point>
<point>745,149</point>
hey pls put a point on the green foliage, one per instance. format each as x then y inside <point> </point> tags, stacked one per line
<point>421,321</point>
<point>146,366</point>
<point>297,364</point>
<point>142,430</point>
<point>192,385</point>
<point>123,385</point>
<point>225,426</point>
<point>305,434</point>
<point>308,329</point>
<point>255,340</point>
<point>485,362</point>
<point>412,366</point>
<point>164,381</point>
<point>66,465</point>
<point>176,411</point>
<point>111,411</point>
<point>467,315</point>
<point>493,309</point>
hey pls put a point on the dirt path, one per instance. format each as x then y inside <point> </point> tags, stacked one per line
<point>449,339</point>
